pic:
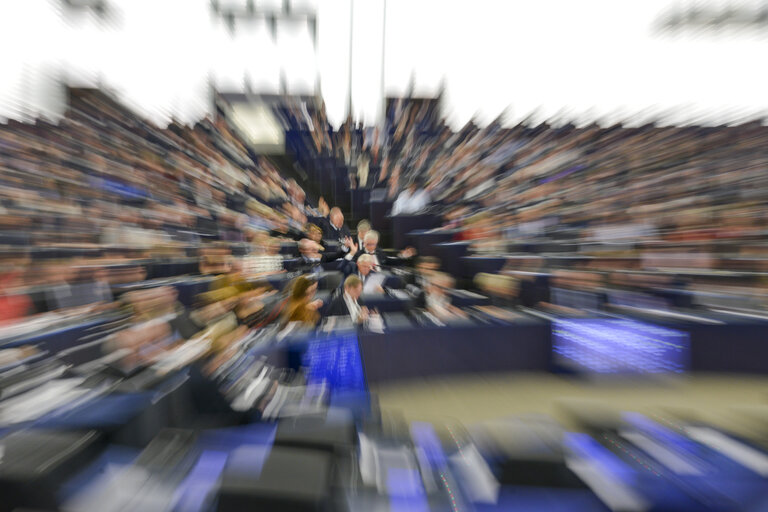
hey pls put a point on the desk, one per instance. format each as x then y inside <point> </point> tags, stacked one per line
<point>450,254</point>
<point>424,241</point>
<point>473,265</point>
<point>172,268</point>
<point>728,348</point>
<point>189,289</point>
<point>57,339</point>
<point>429,352</point>
<point>404,224</point>
<point>379,219</point>
<point>360,198</point>
<point>386,304</point>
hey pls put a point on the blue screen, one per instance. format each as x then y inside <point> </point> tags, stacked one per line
<point>335,361</point>
<point>619,346</point>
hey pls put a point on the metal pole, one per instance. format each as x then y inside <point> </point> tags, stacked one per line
<point>383,65</point>
<point>351,33</point>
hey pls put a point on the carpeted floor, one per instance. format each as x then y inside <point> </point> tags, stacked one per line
<point>721,400</point>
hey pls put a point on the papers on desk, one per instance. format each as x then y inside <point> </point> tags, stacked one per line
<point>373,282</point>
<point>399,294</point>
<point>41,400</point>
<point>30,326</point>
<point>183,355</point>
<point>375,324</point>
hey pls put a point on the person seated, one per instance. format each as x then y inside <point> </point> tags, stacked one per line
<point>363,227</point>
<point>335,229</point>
<point>301,306</point>
<point>151,303</point>
<point>372,280</point>
<point>330,251</point>
<point>14,355</point>
<point>575,293</point>
<point>215,259</point>
<point>78,288</point>
<point>142,344</point>
<point>311,258</point>
<point>503,290</point>
<point>265,258</point>
<point>412,200</point>
<point>371,247</point>
<point>425,266</point>
<point>14,305</point>
<point>346,303</point>
<point>437,301</point>
<point>258,307</point>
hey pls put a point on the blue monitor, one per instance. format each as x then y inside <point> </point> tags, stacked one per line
<point>608,346</point>
<point>334,361</point>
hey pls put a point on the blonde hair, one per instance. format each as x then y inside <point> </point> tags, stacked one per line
<point>352,282</point>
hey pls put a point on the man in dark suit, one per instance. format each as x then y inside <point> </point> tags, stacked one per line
<point>371,247</point>
<point>334,228</point>
<point>310,260</point>
<point>346,303</point>
<point>373,282</point>
<point>363,227</point>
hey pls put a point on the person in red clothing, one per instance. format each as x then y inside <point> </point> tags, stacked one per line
<point>13,305</point>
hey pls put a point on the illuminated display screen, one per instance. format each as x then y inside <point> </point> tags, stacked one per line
<point>619,346</point>
<point>335,361</point>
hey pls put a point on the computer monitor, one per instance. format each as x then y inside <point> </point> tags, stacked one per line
<point>333,361</point>
<point>619,346</point>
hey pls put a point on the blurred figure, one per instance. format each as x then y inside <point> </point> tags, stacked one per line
<point>363,227</point>
<point>346,303</point>
<point>371,247</point>
<point>437,300</point>
<point>336,230</point>
<point>14,304</point>
<point>413,199</point>
<point>264,258</point>
<point>301,306</point>
<point>372,280</point>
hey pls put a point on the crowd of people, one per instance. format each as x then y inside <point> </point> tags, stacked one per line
<point>90,202</point>
<point>103,186</point>
<point>670,200</point>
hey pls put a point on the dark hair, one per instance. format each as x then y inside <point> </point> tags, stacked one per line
<point>428,260</point>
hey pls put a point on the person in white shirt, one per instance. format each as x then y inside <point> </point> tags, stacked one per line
<point>437,300</point>
<point>371,247</point>
<point>264,258</point>
<point>411,200</point>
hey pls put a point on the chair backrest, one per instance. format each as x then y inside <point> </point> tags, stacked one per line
<point>330,280</point>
